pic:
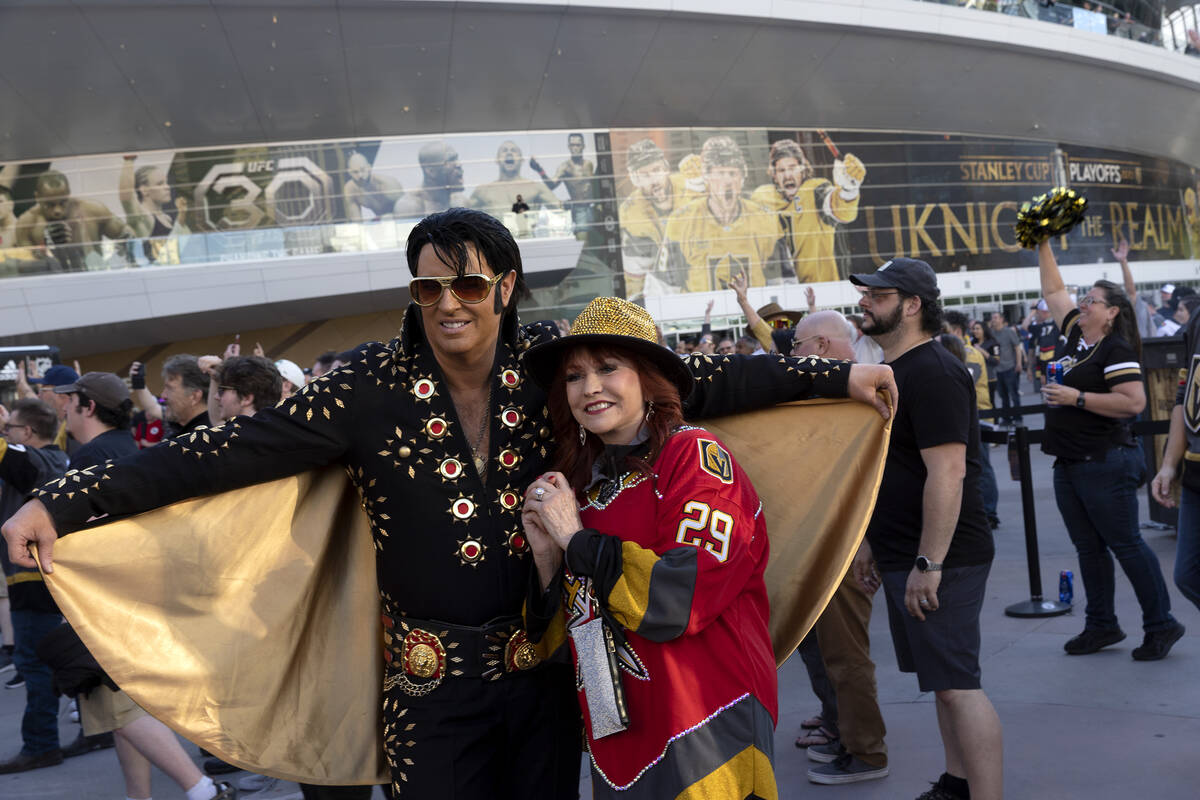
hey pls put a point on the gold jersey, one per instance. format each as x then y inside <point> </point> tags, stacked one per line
<point>642,230</point>
<point>977,366</point>
<point>700,254</point>
<point>809,221</point>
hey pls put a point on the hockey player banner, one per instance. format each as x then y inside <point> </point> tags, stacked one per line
<point>809,206</point>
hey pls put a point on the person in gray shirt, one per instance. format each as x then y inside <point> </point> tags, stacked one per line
<point>1008,370</point>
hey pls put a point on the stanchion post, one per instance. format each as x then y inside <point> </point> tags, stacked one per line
<point>1036,605</point>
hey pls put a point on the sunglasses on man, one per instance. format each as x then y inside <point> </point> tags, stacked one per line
<point>472,288</point>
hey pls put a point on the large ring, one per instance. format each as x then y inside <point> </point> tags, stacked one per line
<point>924,601</point>
<point>539,493</point>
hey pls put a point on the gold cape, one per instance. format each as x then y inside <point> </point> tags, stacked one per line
<point>248,621</point>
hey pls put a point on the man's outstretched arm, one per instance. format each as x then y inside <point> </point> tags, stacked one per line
<point>309,430</point>
<point>735,384</point>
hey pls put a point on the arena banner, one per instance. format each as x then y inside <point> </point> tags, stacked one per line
<point>635,212</point>
<point>805,206</point>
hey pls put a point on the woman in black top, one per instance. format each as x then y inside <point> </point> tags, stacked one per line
<point>981,337</point>
<point>1098,467</point>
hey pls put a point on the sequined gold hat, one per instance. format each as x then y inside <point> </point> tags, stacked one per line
<point>610,322</point>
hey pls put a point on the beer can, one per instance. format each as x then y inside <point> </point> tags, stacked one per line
<point>1054,374</point>
<point>1066,588</point>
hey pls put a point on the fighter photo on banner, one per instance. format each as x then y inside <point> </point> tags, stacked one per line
<point>545,185</point>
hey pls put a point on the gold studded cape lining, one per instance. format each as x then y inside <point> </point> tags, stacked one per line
<point>231,617</point>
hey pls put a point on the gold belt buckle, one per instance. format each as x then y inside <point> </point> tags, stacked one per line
<point>422,655</point>
<point>519,653</point>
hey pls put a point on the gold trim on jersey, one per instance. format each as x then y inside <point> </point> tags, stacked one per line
<point>1191,397</point>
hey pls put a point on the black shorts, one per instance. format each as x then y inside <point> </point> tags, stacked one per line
<point>944,649</point>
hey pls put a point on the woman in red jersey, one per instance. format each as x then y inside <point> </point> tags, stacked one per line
<point>650,548</point>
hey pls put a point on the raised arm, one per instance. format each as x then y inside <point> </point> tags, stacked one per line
<point>143,399</point>
<point>754,323</point>
<point>551,184</point>
<point>135,215</point>
<point>1053,288</point>
<point>1121,254</point>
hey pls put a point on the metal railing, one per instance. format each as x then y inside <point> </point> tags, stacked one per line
<point>1096,16</point>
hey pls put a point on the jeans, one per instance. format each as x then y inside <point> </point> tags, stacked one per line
<point>1187,553</point>
<point>1009,383</point>
<point>39,726</point>
<point>987,480</point>
<point>1098,502</point>
<point>810,653</point>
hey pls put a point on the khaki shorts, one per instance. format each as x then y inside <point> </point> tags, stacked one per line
<point>102,710</point>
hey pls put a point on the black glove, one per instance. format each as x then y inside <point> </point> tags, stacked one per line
<point>59,241</point>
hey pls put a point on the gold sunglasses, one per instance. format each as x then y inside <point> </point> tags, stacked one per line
<point>472,288</point>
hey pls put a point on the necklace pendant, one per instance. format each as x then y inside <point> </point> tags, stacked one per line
<point>480,463</point>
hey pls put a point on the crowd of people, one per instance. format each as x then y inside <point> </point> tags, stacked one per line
<point>600,534</point>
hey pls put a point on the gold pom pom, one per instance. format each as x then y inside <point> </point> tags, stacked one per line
<point>1049,215</point>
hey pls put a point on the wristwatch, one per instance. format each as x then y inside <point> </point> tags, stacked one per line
<point>1079,401</point>
<point>925,565</point>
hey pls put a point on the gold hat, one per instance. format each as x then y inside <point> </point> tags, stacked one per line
<point>613,322</point>
<point>775,310</point>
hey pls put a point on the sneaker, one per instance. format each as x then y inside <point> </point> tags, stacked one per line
<point>1092,640</point>
<point>86,744</point>
<point>846,769</point>
<point>825,753</point>
<point>15,682</point>
<point>215,766</point>
<point>73,711</point>
<point>256,783</point>
<point>225,791</point>
<point>936,792</point>
<point>24,762</point>
<point>6,662</point>
<point>1157,644</point>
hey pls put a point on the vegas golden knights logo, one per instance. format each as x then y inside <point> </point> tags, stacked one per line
<point>715,461</point>
<point>1191,397</point>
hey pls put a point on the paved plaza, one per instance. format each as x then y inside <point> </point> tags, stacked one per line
<point>1097,727</point>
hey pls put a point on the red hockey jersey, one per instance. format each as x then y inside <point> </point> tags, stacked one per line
<point>678,559</point>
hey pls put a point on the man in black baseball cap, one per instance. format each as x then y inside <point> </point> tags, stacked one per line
<point>929,522</point>
<point>98,416</point>
<point>909,275</point>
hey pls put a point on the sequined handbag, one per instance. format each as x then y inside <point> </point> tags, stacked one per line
<point>596,654</point>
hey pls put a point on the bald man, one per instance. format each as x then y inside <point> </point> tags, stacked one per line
<point>843,641</point>
<point>825,334</point>
<point>378,193</point>
<point>497,197</point>
<point>67,228</point>
<point>441,186</point>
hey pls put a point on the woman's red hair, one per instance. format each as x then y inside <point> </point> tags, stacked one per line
<point>575,460</point>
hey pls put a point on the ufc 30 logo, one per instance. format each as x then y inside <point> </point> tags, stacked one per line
<point>298,194</point>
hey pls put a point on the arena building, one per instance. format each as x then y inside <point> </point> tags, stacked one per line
<point>233,166</point>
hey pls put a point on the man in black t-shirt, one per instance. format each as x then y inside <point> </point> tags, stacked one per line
<point>928,541</point>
